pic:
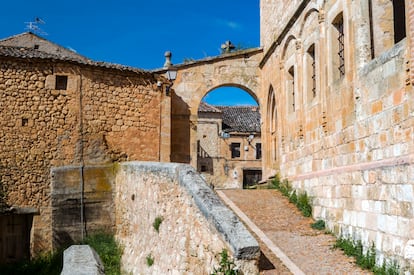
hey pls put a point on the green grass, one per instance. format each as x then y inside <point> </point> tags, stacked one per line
<point>319,225</point>
<point>46,264</point>
<point>108,250</point>
<point>52,263</point>
<point>302,200</point>
<point>367,259</point>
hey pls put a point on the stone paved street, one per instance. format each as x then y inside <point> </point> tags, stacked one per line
<point>280,225</point>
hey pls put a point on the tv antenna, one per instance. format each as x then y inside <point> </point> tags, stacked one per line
<point>33,26</point>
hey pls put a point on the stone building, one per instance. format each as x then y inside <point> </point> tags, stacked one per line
<point>228,145</point>
<point>338,112</point>
<point>334,83</point>
<point>61,109</point>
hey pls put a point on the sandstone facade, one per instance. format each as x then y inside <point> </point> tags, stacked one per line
<point>194,81</point>
<point>104,113</point>
<point>338,117</point>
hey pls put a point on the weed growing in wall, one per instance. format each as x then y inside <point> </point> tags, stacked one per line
<point>367,259</point>
<point>227,266</point>
<point>150,260</point>
<point>157,222</point>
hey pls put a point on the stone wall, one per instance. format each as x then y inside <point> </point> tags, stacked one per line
<point>82,202</point>
<point>195,225</point>
<point>194,81</point>
<point>105,114</point>
<point>351,146</point>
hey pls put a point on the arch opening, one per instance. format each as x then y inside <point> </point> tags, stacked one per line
<point>229,148</point>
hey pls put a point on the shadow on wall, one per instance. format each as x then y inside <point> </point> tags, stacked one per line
<point>76,213</point>
<point>180,130</point>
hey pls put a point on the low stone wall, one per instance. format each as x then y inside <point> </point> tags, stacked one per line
<point>195,225</point>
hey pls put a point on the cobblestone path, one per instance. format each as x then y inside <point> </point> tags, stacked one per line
<point>288,243</point>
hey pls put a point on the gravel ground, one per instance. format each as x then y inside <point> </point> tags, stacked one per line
<point>311,250</point>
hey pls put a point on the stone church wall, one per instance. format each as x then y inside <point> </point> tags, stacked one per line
<point>350,147</point>
<point>103,115</point>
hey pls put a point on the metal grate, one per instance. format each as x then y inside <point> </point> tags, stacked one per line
<point>341,46</point>
<point>313,68</point>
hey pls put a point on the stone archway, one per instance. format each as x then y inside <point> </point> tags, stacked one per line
<point>194,81</point>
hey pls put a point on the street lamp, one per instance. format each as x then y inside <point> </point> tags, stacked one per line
<point>171,73</point>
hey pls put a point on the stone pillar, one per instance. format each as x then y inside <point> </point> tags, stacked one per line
<point>165,127</point>
<point>361,37</point>
<point>410,34</point>
<point>193,140</point>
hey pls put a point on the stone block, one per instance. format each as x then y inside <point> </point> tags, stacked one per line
<point>81,260</point>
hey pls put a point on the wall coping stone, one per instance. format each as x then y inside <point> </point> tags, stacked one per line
<point>227,224</point>
<point>396,51</point>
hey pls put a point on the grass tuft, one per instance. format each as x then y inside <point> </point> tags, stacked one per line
<point>367,259</point>
<point>157,222</point>
<point>302,200</point>
<point>108,250</point>
<point>150,260</point>
<point>319,225</point>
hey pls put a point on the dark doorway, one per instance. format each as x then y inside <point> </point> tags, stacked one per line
<point>15,237</point>
<point>251,177</point>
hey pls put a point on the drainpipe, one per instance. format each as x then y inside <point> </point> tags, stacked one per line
<point>82,164</point>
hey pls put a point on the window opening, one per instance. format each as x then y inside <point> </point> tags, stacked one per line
<point>399,20</point>
<point>258,150</point>
<point>61,82</point>
<point>25,121</point>
<point>311,53</point>
<point>371,29</point>
<point>235,150</point>
<point>291,88</point>
<point>339,26</point>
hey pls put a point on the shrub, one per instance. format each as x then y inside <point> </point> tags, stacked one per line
<point>319,225</point>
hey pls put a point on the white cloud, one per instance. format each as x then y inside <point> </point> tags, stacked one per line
<point>229,24</point>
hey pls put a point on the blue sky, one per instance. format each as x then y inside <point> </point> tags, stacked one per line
<point>137,32</point>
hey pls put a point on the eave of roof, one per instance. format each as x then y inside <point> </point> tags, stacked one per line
<point>29,53</point>
<point>241,119</point>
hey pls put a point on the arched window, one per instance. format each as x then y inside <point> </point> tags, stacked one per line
<point>272,122</point>
<point>310,73</point>
<point>338,47</point>
<point>291,89</point>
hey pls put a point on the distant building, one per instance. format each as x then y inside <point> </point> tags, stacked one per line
<point>30,40</point>
<point>228,145</point>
